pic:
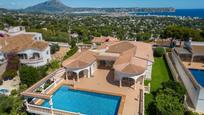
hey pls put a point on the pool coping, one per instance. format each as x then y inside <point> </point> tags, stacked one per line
<point>64,83</point>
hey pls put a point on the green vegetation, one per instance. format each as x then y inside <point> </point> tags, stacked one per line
<point>169,99</point>
<point>55,64</point>
<point>60,27</point>
<point>146,82</point>
<point>72,51</point>
<point>54,48</point>
<point>30,75</point>
<point>159,52</point>
<point>167,96</point>
<point>12,67</point>
<point>168,105</point>
<point>160,74</point>
<point>182,33</point>
<point>51,34</point>
<point>190,113</point>
<point>11,105</point>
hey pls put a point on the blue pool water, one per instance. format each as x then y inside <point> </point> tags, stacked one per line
<point>199,76</point>
<point>84,102</point>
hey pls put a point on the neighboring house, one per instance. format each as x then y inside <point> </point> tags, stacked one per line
<point>29,46</point>
<point>13,31</point>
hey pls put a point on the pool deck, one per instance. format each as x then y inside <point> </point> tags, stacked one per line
<point>194,65</point>
<point>102,82</point>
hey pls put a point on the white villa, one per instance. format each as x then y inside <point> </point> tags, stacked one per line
<point>29,46</point>
<point>129,59</point>
<point>109,67</point>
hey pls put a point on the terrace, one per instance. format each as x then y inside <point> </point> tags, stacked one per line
<point>102,82</point>
<point>89,77</point>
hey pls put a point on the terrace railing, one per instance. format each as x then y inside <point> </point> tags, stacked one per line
<point>48,111</point>
<point>31,61</point>
<point>30,91</point>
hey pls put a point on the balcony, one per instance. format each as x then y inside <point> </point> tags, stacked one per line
<point>31,61</point>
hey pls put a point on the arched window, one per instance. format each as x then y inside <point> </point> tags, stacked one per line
<point>36,55</point>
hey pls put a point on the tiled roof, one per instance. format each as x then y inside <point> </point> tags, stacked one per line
<point>104,39</point>
<point>22,42</point>
<point>80,60</point>
<point>132,57</point>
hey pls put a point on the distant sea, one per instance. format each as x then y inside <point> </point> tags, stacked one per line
<point>179,12</point>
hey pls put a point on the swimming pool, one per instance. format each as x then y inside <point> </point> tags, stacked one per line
<point>3,90</point>
<point>199,76</point>
<point>84,102</point>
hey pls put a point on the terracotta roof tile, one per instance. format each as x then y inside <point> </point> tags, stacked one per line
<point>133,57</point>
<point>104,39</point>
<point>22,42</point>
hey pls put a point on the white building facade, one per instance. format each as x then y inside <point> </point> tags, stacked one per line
<point>29,46</point>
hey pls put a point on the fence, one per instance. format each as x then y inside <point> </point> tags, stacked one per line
<point>171,67</point>
<point>186,77</point>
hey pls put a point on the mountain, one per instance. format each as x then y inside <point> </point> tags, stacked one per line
<point>48,6</point>
<point>56,6</point>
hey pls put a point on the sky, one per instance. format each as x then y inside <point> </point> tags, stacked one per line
<point>179,4</point>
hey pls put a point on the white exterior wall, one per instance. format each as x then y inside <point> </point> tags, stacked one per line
<point>16,30</point>
<point>37,36</point>
<point>149,71</point>
<point>45,55</point>
<point>93,67</point>
<point>120,75</point>
<point>196,95</point>
<point>200,102</point>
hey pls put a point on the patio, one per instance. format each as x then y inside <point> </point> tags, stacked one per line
<point>194,65</point>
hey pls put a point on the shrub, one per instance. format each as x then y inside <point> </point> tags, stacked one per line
<point>39,90</point>
<point>190,113</point>
<point>54,48</point>
<point>14,92</point>
<point>11,105</point>
<point>47,84</point>
<point>168,105</point>
<point>54,64</point>
<point>146,82</point>
<point>30,75</point>
<point>1,82</point>
<point>9,74</point>
<point>71,52</point>
<point>159,52</point>
<point>177,87</point>
<point>12,66</point>
<point>168,49</point>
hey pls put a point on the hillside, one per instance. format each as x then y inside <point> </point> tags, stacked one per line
<point>48,6</point>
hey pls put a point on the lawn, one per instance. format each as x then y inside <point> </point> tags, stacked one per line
<point>160,73</point>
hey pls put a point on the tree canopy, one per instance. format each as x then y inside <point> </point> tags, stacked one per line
<point>182,33</point>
